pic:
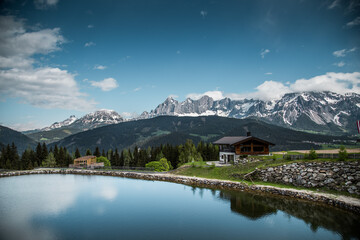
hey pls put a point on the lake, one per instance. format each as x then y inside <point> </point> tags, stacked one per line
<point>102,207</point>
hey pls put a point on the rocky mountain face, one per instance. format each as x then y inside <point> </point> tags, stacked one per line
<point>64,123</point>
<point>73,125</point>
<point>89,121</point>
<point>97,119</point>
<point>325,112</point>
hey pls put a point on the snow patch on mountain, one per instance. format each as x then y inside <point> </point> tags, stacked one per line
<point>321,108</point>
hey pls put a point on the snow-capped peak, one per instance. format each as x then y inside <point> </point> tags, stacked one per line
<point>64,123</point>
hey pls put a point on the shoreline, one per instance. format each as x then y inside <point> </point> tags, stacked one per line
<point>344,202</point>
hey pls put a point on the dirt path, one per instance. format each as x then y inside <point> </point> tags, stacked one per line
<point>333,151</point>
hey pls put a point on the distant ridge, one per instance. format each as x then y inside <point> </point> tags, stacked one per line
<point>324,112</point>
<point>9,136</point>
<point>72,125</point>
<point>175,130</point>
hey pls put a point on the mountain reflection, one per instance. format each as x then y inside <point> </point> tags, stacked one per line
<point>256,206</point>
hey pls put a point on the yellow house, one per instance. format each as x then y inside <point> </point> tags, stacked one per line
<point>86,162</point>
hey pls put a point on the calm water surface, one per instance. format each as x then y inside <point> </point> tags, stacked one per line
<point>100,207</point>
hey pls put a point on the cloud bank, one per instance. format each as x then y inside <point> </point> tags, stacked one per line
<point>107,84</point>
<point>270,90</point>
<point>44,87</point>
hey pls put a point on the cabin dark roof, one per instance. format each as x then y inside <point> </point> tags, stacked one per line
<point>238,139</point>
<point>230,140</point>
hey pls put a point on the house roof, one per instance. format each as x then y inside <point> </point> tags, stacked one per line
<point>84,158</point>
<point>231,140</point>
<point>238,139</point>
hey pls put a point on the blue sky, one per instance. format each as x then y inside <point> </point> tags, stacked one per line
<point>61,57</point>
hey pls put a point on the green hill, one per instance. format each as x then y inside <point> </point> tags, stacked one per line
<point>175,130</point>
<point>8,136</point>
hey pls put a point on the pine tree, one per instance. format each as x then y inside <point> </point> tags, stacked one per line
<point>56,152</point>
<point>97,152</point>
<point>49,161</point>
<point>88,152</point>
<point>44,153</point>
<point>77,153</point>
<point>38,154</point>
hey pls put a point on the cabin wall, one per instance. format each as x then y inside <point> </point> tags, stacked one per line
<point>252,148</point>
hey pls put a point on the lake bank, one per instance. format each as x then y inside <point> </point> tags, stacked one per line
<point>343,202</point>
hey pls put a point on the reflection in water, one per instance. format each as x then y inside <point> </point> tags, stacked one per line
<point>247,205</point>
<point>254,206</point>
<point>64,206</point>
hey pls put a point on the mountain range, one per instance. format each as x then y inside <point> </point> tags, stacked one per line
<point>322,112</point>
<point>175,130</point>
<point>315,112</point>
<point>72,125</point>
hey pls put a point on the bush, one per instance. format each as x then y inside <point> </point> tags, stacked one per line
<point>104,160</point>
<point>343,153</point>
<point>212,166</point>
<point>312,154</point>
<point>159,166</point>
<point>156,166</point>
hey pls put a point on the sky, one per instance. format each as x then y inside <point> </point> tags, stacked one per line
<point>60,57</point>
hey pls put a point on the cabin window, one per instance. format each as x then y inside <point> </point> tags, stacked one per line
<point>259,149</point>
<point>245,149</point>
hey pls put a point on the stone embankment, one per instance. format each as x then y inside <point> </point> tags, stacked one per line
<point>348,203</point>
<point>339,176</point>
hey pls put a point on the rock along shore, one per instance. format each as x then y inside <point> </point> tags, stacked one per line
<point>348,203</point>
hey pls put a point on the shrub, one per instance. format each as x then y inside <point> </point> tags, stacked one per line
<point>156,166</point>
<point>342,153</point>
<point>159,166</point>
<point>212,166</point>
<point>312,154</point>
<point>104,160</point>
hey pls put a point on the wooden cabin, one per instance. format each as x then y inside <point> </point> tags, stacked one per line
<point>231,148</point>
<point>86,162</point>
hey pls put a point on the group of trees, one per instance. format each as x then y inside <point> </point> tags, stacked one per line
<point>136,157</point>
<point>29,159</point>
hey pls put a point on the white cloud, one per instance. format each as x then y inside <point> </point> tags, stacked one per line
<point>178,52</point>
<point>44,4</point>
<point>173,96</point>
<point>216,95</point>
<point>340,64</point>
<point>268,73</point>
<point>264,52</point>
<point>129,115</point>
<point>89,44</point>
<point>44,87</point>
<point>90,26</point>
<point>334,4</point>
<point>335,82</point>
<point>137,89</point>
<point>354,22</point>
<point>343,52</point>
<point>203,13</point>
<point>100,67</point>
<point>106,85</point>
<point>18,45</point>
